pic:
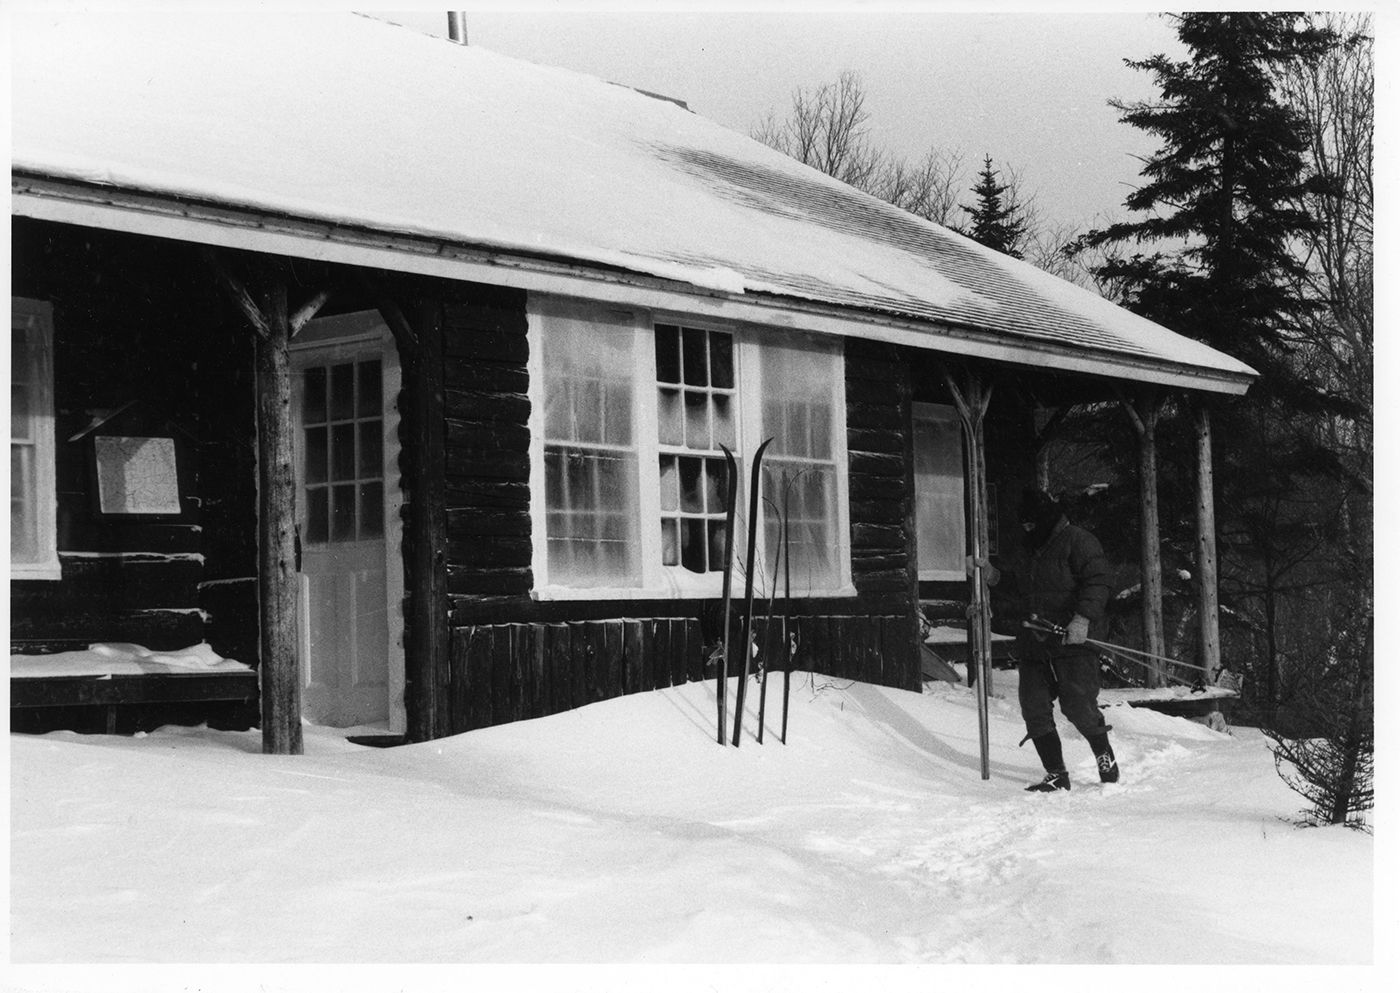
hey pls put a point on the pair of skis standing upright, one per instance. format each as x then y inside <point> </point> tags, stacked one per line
<point>722,676</point>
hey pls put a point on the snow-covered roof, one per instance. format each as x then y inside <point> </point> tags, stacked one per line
<point>347,121</point>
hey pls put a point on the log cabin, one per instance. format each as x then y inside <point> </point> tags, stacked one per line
<point>369,379</point>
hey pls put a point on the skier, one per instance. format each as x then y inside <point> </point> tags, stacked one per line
<point>1067,586</point>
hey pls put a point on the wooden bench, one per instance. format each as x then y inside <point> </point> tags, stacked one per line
<point>39,681</point>
<point>113,692</point>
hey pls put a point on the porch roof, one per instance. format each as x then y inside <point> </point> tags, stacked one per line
<point>309,133</point>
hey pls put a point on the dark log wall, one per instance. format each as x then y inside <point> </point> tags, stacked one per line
<point>136,319</point>
<point>513,657</point>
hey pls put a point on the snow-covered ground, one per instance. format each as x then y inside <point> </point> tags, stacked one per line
<point>622,833</point>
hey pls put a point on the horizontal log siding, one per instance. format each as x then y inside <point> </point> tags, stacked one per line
<point>884,565</point>
<point>138,319</point>
<point>487,444</point>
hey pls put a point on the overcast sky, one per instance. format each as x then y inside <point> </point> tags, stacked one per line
<point>1028,89</point>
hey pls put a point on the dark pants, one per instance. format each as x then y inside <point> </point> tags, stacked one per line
<point>1074,677</point>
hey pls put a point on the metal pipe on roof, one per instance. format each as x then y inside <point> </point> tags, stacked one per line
<point>457,26</point>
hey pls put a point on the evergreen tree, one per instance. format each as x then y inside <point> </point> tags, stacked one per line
<point>1222,192</point>
<point>997,221</point>
<point>1221,209</point>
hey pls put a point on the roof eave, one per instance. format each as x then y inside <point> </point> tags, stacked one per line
<point>161,215</point>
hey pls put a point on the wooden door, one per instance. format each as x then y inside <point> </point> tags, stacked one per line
<point>351,631</point>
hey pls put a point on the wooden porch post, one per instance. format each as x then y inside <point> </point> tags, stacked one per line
<point>265,308</point>
<point>972,404</point>
<point>277,579</point>
<point>1205,547</point>
<point>428,663</point>
<point>1144,413</point>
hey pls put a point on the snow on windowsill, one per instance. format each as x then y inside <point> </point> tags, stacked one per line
<point>121,659</point>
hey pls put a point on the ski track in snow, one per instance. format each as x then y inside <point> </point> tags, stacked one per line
<point>622,833</point>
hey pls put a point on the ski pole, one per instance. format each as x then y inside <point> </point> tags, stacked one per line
<point>1120,653</point>
<point>1040,624</point>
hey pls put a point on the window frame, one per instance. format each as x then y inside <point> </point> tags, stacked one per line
<point>38,314</point>
<point>942,412</point>
<point>660,581</point>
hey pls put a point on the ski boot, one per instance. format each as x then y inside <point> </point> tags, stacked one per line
<point>1053,781</point>
<point>1103,756</point>
<point>1052,757</point>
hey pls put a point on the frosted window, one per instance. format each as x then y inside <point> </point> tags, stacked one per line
<point>938,490</point>
<point>33,532</point>
<point>590,459</point>
<point>799,383</point>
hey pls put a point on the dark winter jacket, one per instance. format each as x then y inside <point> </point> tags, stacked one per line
<point>1068,575</point>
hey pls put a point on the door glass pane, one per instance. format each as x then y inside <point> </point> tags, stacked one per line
<point>343,513</point>
<point>313,402</point>
<point>371,393</point>
<point>371,449</point>
<point>317,515</point>
<point>342,391</point>
<point>343,451</point>
<point>371,510</point>
<point>317,455</point>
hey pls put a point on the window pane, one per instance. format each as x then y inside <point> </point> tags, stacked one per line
<point>697,419</point>
<point>721,360</point>
<point>592,531</point>
<point>670,484</point>
<point>695,361</point>
<point>668,353</point>
<point>317,455</point>
<point>371,510</point>
<point>371,391</point>
<point>313,396</point>
<point>24,538</point>
<point>724,421</point>
<point>343,451</point>
<point>371,449</point>
<point>21,409</point>
<point>692,500</point>
<point>588,411</point>
<point>343,513</point>
<point>670,542</point>
<point>670,419</point>
<point>820,427</point>
<point>317,515</point>
<point>938,489</point>
<point>342,392</point>
<point>693,544</point>
<point>617,413</point>
<point>716,546</point>
<point>715,472</point>
<point>799,379</point>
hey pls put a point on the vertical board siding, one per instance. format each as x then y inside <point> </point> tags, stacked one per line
<point>509,672</point>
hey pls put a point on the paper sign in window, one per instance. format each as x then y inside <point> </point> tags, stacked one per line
<point>137,476</point>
